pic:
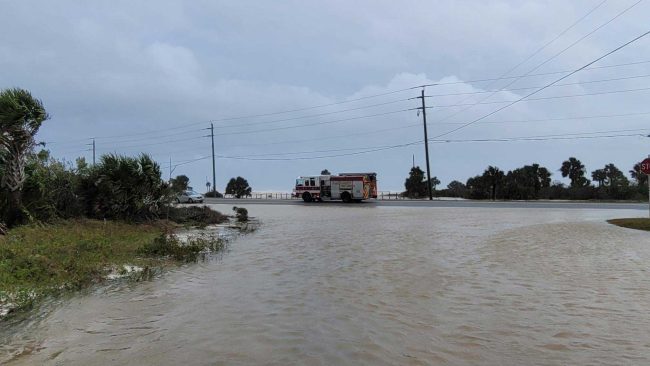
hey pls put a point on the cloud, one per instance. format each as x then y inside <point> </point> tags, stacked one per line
<point>150,76</point>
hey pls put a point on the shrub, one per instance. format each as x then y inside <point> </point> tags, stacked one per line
<point>126,188</point>
<point>213,194</point>
<point>241,213</point>
<point>197,216</point>
<point>167,245</point>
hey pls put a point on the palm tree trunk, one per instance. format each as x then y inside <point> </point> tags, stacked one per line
<point>13,179</point>
<point>15,208</point>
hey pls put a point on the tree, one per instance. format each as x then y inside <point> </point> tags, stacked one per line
<point>415,184</point>
<point>526,182</point>
<point>434,183</point>
<point>640,177</point>
<point>21,116</point>
<point>456,189</point>
<point>180,183</point>
<point>574,169</point>
<point>238,187</point>
<point>478,187</point>
<point>599,176</point>
<point>494,177</point>
<point>614,177</point>
<point>325,172</point>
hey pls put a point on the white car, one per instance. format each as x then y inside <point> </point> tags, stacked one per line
<point>189,197</point>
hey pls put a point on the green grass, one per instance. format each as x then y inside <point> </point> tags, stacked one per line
<point>632,223</point>
<point>37,260</point>
<point>70,253</point>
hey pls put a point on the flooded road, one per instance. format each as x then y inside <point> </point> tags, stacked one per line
<point>374,285</point>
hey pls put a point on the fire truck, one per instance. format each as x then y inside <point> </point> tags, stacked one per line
<point>346,187</point>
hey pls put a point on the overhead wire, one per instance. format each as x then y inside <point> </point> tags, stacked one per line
<point>547,60</point>
<point>546,86</point>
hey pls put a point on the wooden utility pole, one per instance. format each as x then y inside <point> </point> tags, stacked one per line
<point>426,144</point>
<point>214,175</point>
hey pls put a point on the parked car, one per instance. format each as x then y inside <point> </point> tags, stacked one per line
<point>189,197</point>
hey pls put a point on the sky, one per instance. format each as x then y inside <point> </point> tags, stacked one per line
<point>294,87</point>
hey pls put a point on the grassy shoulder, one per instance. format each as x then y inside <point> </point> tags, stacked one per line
<point>638,223</point>
<point>39,260</point>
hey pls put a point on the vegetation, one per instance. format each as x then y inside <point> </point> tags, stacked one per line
<point>125,188</point>
<point>180,183</point>
<point>416,184</point>
<point>575,170</point>
<point>213,194</point>
<point>195,216</point>
<point>532,182</point>
<point>238,187</point>
<point>167,245</point>
<point>54,232</point>
<point>39,260</point>
<point>633,223</point>
<point>325,172</point>
<point>241,214</point>
<point>21,116</point>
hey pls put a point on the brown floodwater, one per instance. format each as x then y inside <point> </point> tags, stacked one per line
<point>359,284</point>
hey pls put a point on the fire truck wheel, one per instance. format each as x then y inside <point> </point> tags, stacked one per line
<point>306,197</point>
<point>345,196</point>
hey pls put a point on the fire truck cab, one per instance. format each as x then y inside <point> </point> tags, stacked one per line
<point>346,187</point>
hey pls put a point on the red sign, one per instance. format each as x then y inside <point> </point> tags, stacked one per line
<point>645,166</point>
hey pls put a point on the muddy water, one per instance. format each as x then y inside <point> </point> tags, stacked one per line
<point>370,285</point>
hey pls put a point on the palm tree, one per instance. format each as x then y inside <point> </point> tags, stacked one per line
<point>599,176</point>
<point>638,175</point>
<point>21,115</point>
<point>574,169</point>
<point>494,177</point>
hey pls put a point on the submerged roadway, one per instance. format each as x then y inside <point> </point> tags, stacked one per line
<point>444,203</point>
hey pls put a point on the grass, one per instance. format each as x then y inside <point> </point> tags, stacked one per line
<point>632,223</point>
<point>37,260</point>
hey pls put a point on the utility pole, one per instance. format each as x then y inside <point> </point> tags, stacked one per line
<point>426,144</point>
<point>93,145</point>
<point>214,176</point>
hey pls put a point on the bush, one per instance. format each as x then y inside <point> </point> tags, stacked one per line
<point>126,188</point>
<point>213,194</point>
<point>241,213</point>
<point>167,245</point>
<point>196,216</point>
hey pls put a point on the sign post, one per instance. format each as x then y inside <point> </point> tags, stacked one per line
<point>645,169</point>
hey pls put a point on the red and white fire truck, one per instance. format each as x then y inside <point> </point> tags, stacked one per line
<point>346,187</point>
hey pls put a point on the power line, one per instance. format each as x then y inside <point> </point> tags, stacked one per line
<point>471,81</point>
<point>112,147</point>
<point>546,86</point>
<point>543,47</point>
<point>314,123</point>
<point>316,115</point>
<point>554,39</point>
<point>545,98</point>
<point>554,119</point>
<point>547,60</point>
<point>187,125</point>
<point>535,87</point>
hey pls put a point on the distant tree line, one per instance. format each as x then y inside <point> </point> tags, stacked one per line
<point>532,182</point>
